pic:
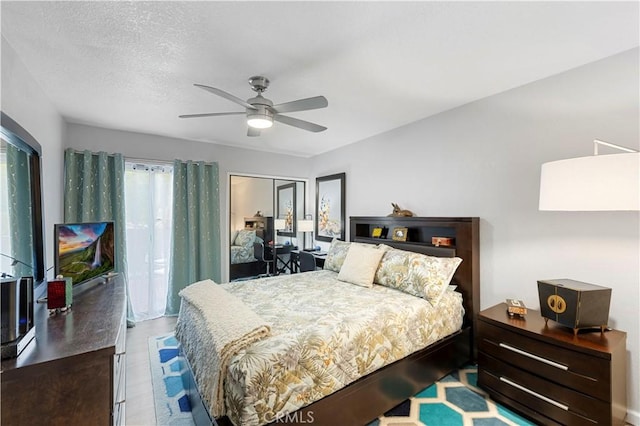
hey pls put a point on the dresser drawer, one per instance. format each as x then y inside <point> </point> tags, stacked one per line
<point>119,364</point>
<point>563,405</point>
<point>119,380</point>
<point>121,340</point>
<point>579,371</point>
<point>119,414</point>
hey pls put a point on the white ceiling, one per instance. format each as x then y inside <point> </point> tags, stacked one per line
<point>132,65</point>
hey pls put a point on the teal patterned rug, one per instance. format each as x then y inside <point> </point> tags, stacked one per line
<point>455,400</point>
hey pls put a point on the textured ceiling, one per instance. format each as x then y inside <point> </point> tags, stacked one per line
<point>132,65</point>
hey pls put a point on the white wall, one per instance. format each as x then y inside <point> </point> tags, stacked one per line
<point>249,196</point>
<point>483,159</point>
<point>230,160</point>
<point>25,102</point>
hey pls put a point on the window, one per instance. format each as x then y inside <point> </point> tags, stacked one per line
<point>148,201</point>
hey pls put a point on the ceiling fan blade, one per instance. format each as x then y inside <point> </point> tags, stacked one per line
<point>295,122</point>
<point>211,114</point>
<point>302,104</point>
<point>225,95</point>
<point>253,132</point>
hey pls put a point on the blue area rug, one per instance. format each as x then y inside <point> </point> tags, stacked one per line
<point>455,400</point>
<point>168,372</point>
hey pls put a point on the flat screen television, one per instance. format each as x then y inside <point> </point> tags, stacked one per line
<point>84,251</point>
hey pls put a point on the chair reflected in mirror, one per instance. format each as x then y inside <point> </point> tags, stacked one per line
<point>260,253</point>
<point>307,261</point>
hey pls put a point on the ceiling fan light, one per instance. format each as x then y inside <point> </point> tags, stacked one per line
<point>259,122</point>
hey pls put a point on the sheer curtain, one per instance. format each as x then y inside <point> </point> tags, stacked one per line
<point>94,191</point>
<point>195,248</point>
<point>148,196</point>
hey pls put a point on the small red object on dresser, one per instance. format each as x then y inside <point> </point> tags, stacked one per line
<point>59,293</point>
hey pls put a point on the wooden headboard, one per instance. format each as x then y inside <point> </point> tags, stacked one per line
<point>465,234</point>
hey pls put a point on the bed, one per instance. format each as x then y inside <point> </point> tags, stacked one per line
<point>331,384</point>
<point>242,262</point>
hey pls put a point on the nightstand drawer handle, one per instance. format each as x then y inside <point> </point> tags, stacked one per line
<point>536,394</point>
<point>536,357</point>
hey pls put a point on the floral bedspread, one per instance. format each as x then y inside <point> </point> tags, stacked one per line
<point>242,254</point>
<point>325,335</point>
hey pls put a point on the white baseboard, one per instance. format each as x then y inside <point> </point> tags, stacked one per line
<point>633,418</point>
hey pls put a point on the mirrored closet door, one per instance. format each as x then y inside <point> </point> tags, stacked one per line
<point>262,210</point>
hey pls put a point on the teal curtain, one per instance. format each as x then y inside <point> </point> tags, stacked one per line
<point>195,245</point>
<point>94,191</point>
<point>20,218</point>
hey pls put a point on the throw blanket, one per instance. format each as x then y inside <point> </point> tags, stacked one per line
<point>213,325</point>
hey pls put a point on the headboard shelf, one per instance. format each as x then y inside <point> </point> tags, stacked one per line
<point>416,246</point>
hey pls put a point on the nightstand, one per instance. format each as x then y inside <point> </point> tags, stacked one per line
<point>550,375</point>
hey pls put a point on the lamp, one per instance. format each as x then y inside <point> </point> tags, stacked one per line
<point>278,225</point>
<point>15,261</point>
<point>597,183</point>
<point>260,118</point>
<point>306,225</point>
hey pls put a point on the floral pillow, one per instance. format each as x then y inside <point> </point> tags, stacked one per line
<point>417,274</point>
<point>245,238</point>
<point>336,255</point>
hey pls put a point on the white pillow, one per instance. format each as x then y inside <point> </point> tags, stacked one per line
<point>360,265</point>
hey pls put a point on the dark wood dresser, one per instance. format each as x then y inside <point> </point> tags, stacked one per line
<point>74,372</point>
<point>550,375</point>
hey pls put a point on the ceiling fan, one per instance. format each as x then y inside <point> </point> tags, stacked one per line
<point>261,112</point>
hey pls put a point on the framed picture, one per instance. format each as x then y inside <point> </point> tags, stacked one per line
<point>330,207</point>
<point>400,234</point>
<point>287,209</point>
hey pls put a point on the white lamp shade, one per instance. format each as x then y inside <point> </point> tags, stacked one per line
<point>261,118</point>
<point>305,225</point>
<point>259,122</point>
<point>279,224</point>
<point>596,183</point>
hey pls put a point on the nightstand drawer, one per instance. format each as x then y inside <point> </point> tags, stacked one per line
<point>578,371</point>
<point>554,401</point>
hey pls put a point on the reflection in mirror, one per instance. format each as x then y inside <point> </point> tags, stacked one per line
<point>16,234</point>
<point>21,238</point>
<point>289,196</point>
<point>285,208</point>
<point>254,203</point>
